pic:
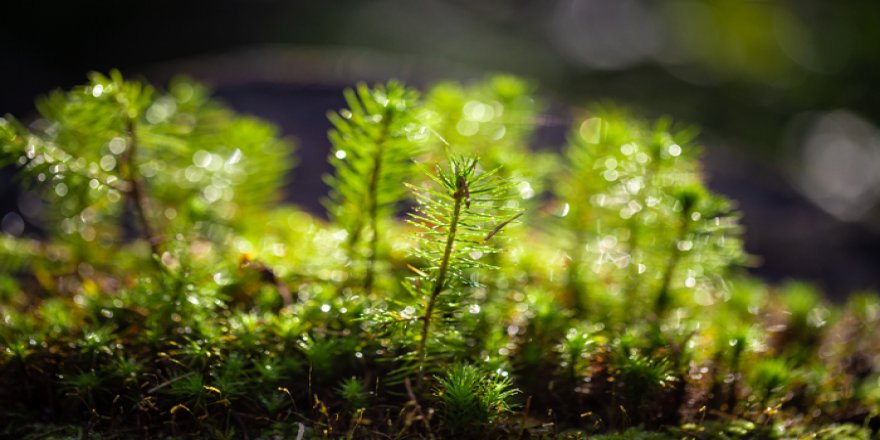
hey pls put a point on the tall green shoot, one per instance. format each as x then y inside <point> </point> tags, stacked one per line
<point>374,141</point>
<point>458,219</point>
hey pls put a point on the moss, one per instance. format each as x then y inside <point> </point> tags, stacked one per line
<point>593,294</point>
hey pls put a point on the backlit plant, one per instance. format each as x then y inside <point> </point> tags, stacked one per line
<point>463,286</point>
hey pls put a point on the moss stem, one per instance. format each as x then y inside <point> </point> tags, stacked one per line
<point>663,298</point>
<point>441,279</point>
<point>137,189</point>
<point>373,202</point>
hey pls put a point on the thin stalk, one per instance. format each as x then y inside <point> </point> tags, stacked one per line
<point>663,297</point>
<point>440,282</point>
<point>735,367</point>
<point>137,191</point>
<point>576,284</point>
<point>373,202</point>
<point>634,232</point>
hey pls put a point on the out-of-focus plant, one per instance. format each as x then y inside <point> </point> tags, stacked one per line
<point>470,398</point>
<point>184,165</point>
<point>374,143</point>
<point>641,228</point>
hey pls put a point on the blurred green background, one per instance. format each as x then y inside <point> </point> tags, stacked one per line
<point>785,91</point>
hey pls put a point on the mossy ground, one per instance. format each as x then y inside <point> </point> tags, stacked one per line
<point>594,294</point>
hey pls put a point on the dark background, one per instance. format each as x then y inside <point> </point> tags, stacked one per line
<point>785,91</point>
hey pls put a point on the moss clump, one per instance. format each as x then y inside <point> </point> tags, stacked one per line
<point>464,285</point>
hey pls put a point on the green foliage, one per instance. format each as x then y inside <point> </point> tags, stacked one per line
<point>492,120</point>
<point>188,165</point>
<point>171,298</point>
<point>353,393</point>
<point>769,378</point>
<point>641,226</point>
<point>470,398</point>
<point>575,350</point>
<point>457,220</point>
<point>634,434</point>
<point>374,142</point>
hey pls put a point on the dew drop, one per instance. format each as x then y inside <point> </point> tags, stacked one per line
<point>202,159</point>
<point>221,279</point>
<point>467,128</point>
<point>591,130</point>
<point>212,193</point>
<point>502,130</point>
<point>633,186</point>
<point>525,190</point>
<point>234,158</point>
<point>478,111</point>
<point>117,145</point>
<point>88,233</point>
<point>193,174</point>
<point>12,224</point>
<point>416,133</point>
<point>215,163</point>
<point>114,196</point>
<point>108,162</point>
<point>565,209</point>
